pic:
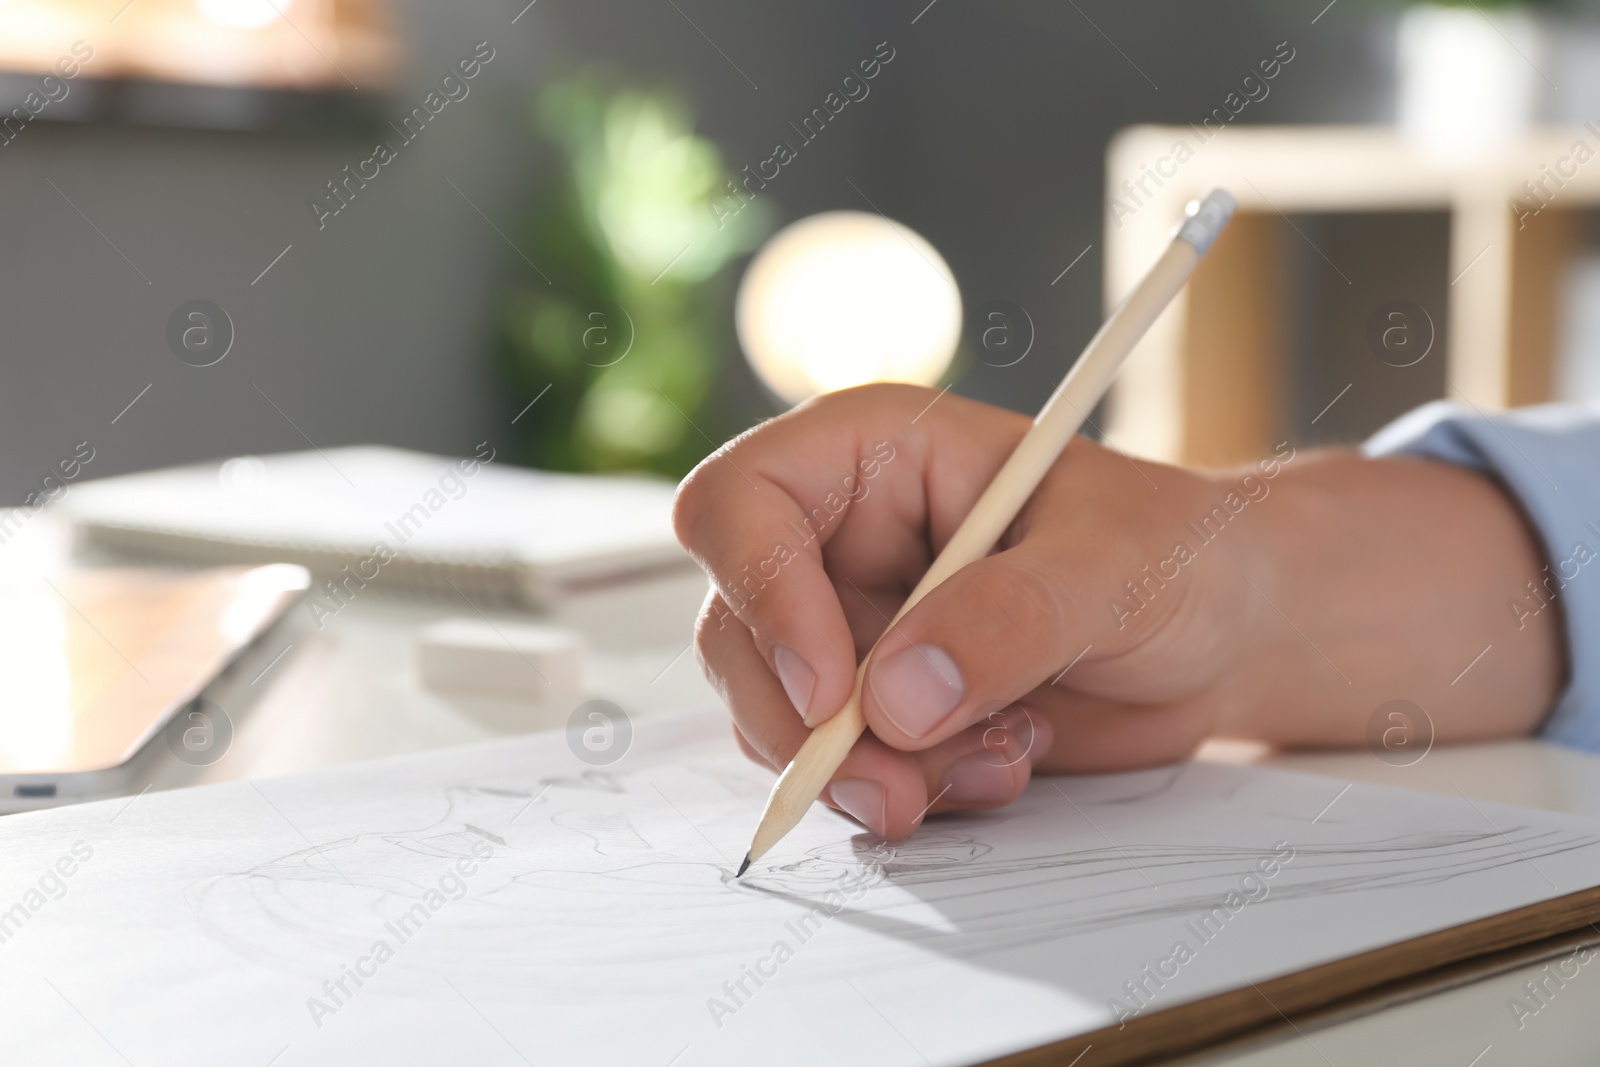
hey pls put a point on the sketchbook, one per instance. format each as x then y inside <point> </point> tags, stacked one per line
<point>515,903</point>
<point>424,523</point>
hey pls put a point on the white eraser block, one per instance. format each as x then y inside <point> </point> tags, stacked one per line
<point>509,659</point>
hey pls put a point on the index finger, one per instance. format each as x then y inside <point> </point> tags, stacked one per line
<point>756,515</point>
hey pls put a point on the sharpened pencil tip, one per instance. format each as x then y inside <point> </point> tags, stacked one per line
<point>745,866</point>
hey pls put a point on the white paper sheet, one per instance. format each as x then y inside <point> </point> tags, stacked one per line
<point>535,910</point>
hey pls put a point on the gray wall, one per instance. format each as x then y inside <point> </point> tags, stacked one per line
<point>986,134</point>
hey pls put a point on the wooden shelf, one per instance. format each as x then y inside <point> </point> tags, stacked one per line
<point>1203,387</point>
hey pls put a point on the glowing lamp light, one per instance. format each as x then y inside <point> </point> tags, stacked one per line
<point>845,298</point>
<point>243,14</point>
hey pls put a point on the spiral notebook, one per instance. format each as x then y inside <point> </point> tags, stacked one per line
<point>429,524</point>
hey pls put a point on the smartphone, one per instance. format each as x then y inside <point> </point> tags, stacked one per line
<point>99,666</point>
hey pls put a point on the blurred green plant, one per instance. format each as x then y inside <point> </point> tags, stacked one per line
<point>619,319</point>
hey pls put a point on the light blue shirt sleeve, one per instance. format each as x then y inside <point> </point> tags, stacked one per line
<point>1548,459</point>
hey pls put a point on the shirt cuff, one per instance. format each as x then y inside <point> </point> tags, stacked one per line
<point>1548,458</point>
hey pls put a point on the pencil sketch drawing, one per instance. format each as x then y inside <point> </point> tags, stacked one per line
<point>593,885</point>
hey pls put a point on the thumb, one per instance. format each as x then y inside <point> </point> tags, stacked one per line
<point>991,633</point>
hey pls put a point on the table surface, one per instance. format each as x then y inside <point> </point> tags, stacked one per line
<point>310,697</point>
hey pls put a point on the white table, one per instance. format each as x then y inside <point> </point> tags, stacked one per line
<point>347,692</point>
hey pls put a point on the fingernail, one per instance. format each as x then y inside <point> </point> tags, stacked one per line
<point>976,780</point>
<point>796,675</point>
<point>864,799</point>
<point>917,688</point>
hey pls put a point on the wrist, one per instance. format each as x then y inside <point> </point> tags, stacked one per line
<point>1266,654</point>
<point>1381,580</point>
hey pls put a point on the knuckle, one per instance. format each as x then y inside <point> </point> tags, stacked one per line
<point>873,396</point>
<point>712,632</point>
<point>711,629</point>
<point>689,505</point>
<point>1029,599</point>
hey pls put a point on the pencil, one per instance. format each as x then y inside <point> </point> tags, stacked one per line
<point>803,781</point>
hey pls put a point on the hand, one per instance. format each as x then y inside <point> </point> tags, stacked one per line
<point>1132,610</point>
<point>815,527</point>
